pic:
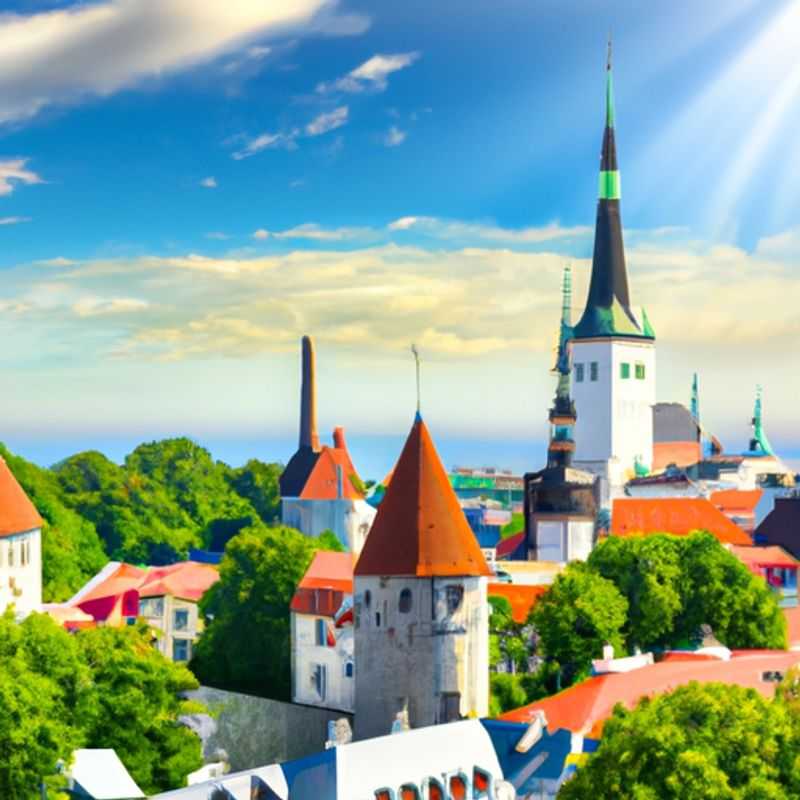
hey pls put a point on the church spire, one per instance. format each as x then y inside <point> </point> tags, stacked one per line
<point>608,311</point>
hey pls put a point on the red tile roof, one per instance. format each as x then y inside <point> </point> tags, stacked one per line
<point>420,528</point>
<point>17,513</point>
<point>521,597</point>
<point>583,708</point>
<point>679,516</point>
<point>322,483</point>
<point>188,580</point>
<point>682,454</point>
<point>771,556</point>
<point>329,570</point>
<point>736,501</point>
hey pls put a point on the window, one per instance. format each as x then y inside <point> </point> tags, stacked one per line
<point>319,678</point>
<point>405,601</point>
<point>409,791</point>
<point>455,594</point>
<point>367,598</point>
<point>594,370</point>
<point>181,649</point>
<point>449,707</point>
<point>579,373</point>
<point>180,619</point>
<point>320,633</point>
<point>11,554</point>
<point>640,372</point>
<point>151,607</point>
<point>624,370</point>
<point>377,619</point>
<point>348,669</point>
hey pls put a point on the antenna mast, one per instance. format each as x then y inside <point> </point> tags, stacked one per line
<point>416,362</point>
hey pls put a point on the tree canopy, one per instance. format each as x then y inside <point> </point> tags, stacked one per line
<point>704,741</point>
<point>246,645</point>
<point>104,687</point>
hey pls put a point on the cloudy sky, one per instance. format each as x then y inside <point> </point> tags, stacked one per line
<point>186,188</point>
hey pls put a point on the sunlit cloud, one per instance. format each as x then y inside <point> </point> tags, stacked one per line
<point>372,75</point>
<point>394,137</point>
<point>14,171</point>
<point>95,49</point>
<point>209,183</point>
<point>267,141</point>
<point>327,121</point>
<point>13,220</point>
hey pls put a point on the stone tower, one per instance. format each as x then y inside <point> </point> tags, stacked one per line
<point>613,345</point>
<point>421,632</point>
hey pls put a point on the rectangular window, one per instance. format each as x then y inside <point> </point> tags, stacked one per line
<point>640,372</point>
<point>579,373</point>
<point>593,371</point>
<point>11,554</point>
<point>624,370</point>
<point>320,679</point>
<point>180,620</point>
<point>449,707</point>
<point>181,649</point>
<point>151,607</point>
<point>320,633</point>
<point>23,560</point>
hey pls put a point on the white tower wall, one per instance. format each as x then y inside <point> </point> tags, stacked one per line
<point>615,412</point>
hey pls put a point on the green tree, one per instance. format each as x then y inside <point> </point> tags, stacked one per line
<point>257,482</point>
<point>137,704</point>
<point>580,613</point>
<point>507,638</point>
<point>246,644</point>
<point>72,552</point>
<point>709,741</point>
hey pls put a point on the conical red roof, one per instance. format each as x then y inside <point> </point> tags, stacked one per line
<point>420,528</point>
<point>17,513</point>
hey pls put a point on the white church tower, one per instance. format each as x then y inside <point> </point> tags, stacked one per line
<point>613,346</point>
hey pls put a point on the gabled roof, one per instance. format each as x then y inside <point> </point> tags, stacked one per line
<point>187,580</point>
<point>731,501</point>
<point>679,516</point>
<point>756,557</point>
<point>420,528</point>
<point>329,570</point>
<point>583,708</point>
<point>323,481</point>
<point>17,513</point>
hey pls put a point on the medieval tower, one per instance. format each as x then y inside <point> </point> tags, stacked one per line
<point>421,620</point>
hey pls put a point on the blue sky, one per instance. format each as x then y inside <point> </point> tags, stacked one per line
<point>186,188</point>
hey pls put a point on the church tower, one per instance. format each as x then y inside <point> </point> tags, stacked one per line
<point>421,611</point>
<point>613,345</point>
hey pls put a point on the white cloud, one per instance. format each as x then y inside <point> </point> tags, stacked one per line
<point>98,306</point>
<point>13,220</point>
<point>394,137</point>
<point>267,141</point>
<point>261,234</point>
<point>14,171</point>
<point>456,230</point>
<point>327,121</point>
<point>58,261</point>
<point>217,235</point>
<point>371,75</point>
<point>95,49</point>
<point>209,183</point>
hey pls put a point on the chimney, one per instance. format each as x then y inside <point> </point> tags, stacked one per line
<point>308,406</point>
<point>338,439</point>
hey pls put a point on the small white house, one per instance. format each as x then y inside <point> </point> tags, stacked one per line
<point>20,547</point>
<point>323,669</point>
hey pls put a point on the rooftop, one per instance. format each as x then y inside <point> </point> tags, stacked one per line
<point>17,513</point>
<point>521,597</point>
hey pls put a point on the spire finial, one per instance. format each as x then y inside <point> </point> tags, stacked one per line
<point>416,362</point>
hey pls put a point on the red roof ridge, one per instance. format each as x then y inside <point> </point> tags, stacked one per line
<point>17,512</point>
<point>420,528</point>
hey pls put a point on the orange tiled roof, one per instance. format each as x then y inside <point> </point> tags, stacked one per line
<point>17,513</point>
<point>679,516</point>
<point>731,501</point>
<point>420,528</point>
<point>682,454</point>
<point>583,708</point>
<point>521,597</point>
<point>124,578</point>
<point>188,580</point>
<point>322,483</point>
<point>770,556</point>
<point>329,570</point>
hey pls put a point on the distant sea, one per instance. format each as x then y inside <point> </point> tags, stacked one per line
<point>374,455</point>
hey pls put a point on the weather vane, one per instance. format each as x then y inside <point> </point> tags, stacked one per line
<point>416,361</point>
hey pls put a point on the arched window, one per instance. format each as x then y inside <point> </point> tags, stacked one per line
<point>377,619</point>
<point>405,601</point>
<point>348,669</point>
<point>367,598</point>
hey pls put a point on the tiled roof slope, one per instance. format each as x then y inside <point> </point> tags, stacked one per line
<point>17,513</point>
<point>679,516</point>
<point>420,528</point>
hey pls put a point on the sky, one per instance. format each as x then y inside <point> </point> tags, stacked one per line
<point>186,188</point>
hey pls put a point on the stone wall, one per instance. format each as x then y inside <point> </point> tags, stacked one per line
<point>254,731</point>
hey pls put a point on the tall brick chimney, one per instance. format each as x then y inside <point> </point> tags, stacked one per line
<point>308,403</point>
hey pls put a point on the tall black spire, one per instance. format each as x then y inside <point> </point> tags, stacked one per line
<point>608,311</point>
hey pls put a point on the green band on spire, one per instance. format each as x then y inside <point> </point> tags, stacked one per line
<point>609,99</point>
<point>609,186</point>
